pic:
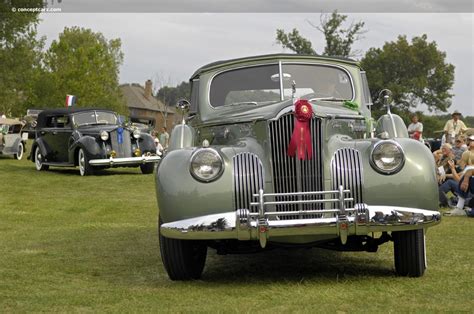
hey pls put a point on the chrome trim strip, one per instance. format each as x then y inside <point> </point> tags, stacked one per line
<point>124,161</point>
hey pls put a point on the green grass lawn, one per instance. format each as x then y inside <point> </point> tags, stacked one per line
<point>89,244</point>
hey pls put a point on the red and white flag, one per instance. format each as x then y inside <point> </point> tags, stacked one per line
<point>70,100</point>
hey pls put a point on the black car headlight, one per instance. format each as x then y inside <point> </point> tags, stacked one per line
<point>104,135</point>
<point>206,165</point>
<point>136,134</point>
<point>387,157</point>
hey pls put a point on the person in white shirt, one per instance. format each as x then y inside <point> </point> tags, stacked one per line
<point>415,129</point>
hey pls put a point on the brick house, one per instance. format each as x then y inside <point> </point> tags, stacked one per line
<point>142,105</point>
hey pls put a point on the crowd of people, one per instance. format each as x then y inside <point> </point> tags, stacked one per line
<point>162,140</point>
<point>454,165</point>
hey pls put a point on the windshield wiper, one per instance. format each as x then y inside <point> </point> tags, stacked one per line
<point>253,103</point>
<point>329,99</point>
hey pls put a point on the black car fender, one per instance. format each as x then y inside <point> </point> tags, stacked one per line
<point>91,148</point>
<point>147,144</point>
<point>44,149</point>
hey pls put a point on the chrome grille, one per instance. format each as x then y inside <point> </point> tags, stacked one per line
<point>248,178</point>
<point>124,149</point>
<point>291,174</point>
<point>346,170</point>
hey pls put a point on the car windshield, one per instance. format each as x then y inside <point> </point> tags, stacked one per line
<point>260,85</point>
<point>94,117</point>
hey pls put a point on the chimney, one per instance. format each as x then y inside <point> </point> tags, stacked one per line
<point>148,85</point>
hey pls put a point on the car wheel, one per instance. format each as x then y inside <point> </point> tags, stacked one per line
<point>19,154</point>
<point>39,160</point>
<point>183,259</point>
<point>85,169</point>
<point>147,168</point>
<point>409,253</point>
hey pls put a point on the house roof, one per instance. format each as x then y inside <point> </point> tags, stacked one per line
<point>134,95</point>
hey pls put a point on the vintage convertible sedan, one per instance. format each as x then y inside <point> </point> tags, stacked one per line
<point>12,138</point>
<point>91,139</point>
<point>281,151</point>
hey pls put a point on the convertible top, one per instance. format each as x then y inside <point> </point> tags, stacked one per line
<point>63,111</point>
<point>10,121</point>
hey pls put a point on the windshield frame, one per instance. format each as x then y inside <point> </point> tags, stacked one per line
<point>96,121</point>
<point>280,65</point>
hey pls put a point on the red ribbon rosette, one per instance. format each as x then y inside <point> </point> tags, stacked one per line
<point>301,137</point>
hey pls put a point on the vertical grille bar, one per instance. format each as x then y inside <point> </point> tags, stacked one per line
<point>248,179</point>
<point>288,173</point>
<point>346,170</point>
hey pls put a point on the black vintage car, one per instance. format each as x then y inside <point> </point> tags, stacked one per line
<point>91,139</point>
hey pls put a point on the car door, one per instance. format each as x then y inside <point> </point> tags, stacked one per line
<point>56,136</point>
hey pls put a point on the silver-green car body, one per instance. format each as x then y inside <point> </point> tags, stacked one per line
<point>262,194</point>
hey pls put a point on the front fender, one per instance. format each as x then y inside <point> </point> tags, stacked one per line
<point>91,148</point>
<point>415,185</point>
<point>180,196</point>
<point>147,144</point>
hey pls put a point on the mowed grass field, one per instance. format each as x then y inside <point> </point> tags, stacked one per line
<point>89,244</point>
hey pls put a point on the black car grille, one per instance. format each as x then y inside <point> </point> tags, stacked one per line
<point>123,149</point>
<point>291,174</point>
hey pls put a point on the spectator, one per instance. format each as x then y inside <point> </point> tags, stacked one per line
<point>467,158</point>
<point>465,190</point>
<point>454,127</point>
<point>159,147</point>
<point>164,138</point>
<point>450,185</point>
<point>2,115</point>
<point>415,128</point>
<point>459,148</point>
<point>442,158</point>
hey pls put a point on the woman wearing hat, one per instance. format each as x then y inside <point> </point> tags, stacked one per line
<point>454,127</point>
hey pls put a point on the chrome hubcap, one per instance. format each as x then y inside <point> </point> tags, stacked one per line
<point>20,152</point>
<point>81,162</point>
<point>38,159</point>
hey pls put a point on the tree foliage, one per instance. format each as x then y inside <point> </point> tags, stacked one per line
<point>20,55</point>
<point>339,40</point>
<point>170,95</point>
<point>415,72</point>
<point>295,42</point>
<point>84,64</point>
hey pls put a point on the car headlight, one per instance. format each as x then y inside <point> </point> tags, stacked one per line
<point>206,165</point>
<point>136,133</point>
<point>104,135</point>
<point>387,157</point>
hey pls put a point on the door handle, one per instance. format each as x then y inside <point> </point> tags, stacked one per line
<point>55,132</point>
<point>43,132</point>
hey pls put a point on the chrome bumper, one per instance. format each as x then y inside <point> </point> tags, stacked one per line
<point>124,161</point>
<point>264,225</point>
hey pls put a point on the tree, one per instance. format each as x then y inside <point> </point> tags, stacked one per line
<point>20,55</point>
<point>170,95</point>
<point>415,72</point>
<point>339,40</point>
<point>85,64</point>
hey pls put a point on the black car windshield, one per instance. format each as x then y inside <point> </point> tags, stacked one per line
<point>94,117</point>
<point>262,84</point>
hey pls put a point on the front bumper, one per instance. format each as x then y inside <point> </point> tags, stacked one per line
<point>264,225</point>
<point>124,161</point>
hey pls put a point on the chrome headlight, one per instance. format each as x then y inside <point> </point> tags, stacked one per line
<point>104,135</point>
<point>136,133</point>
<point>206,165</point>
<point>387,157</point>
